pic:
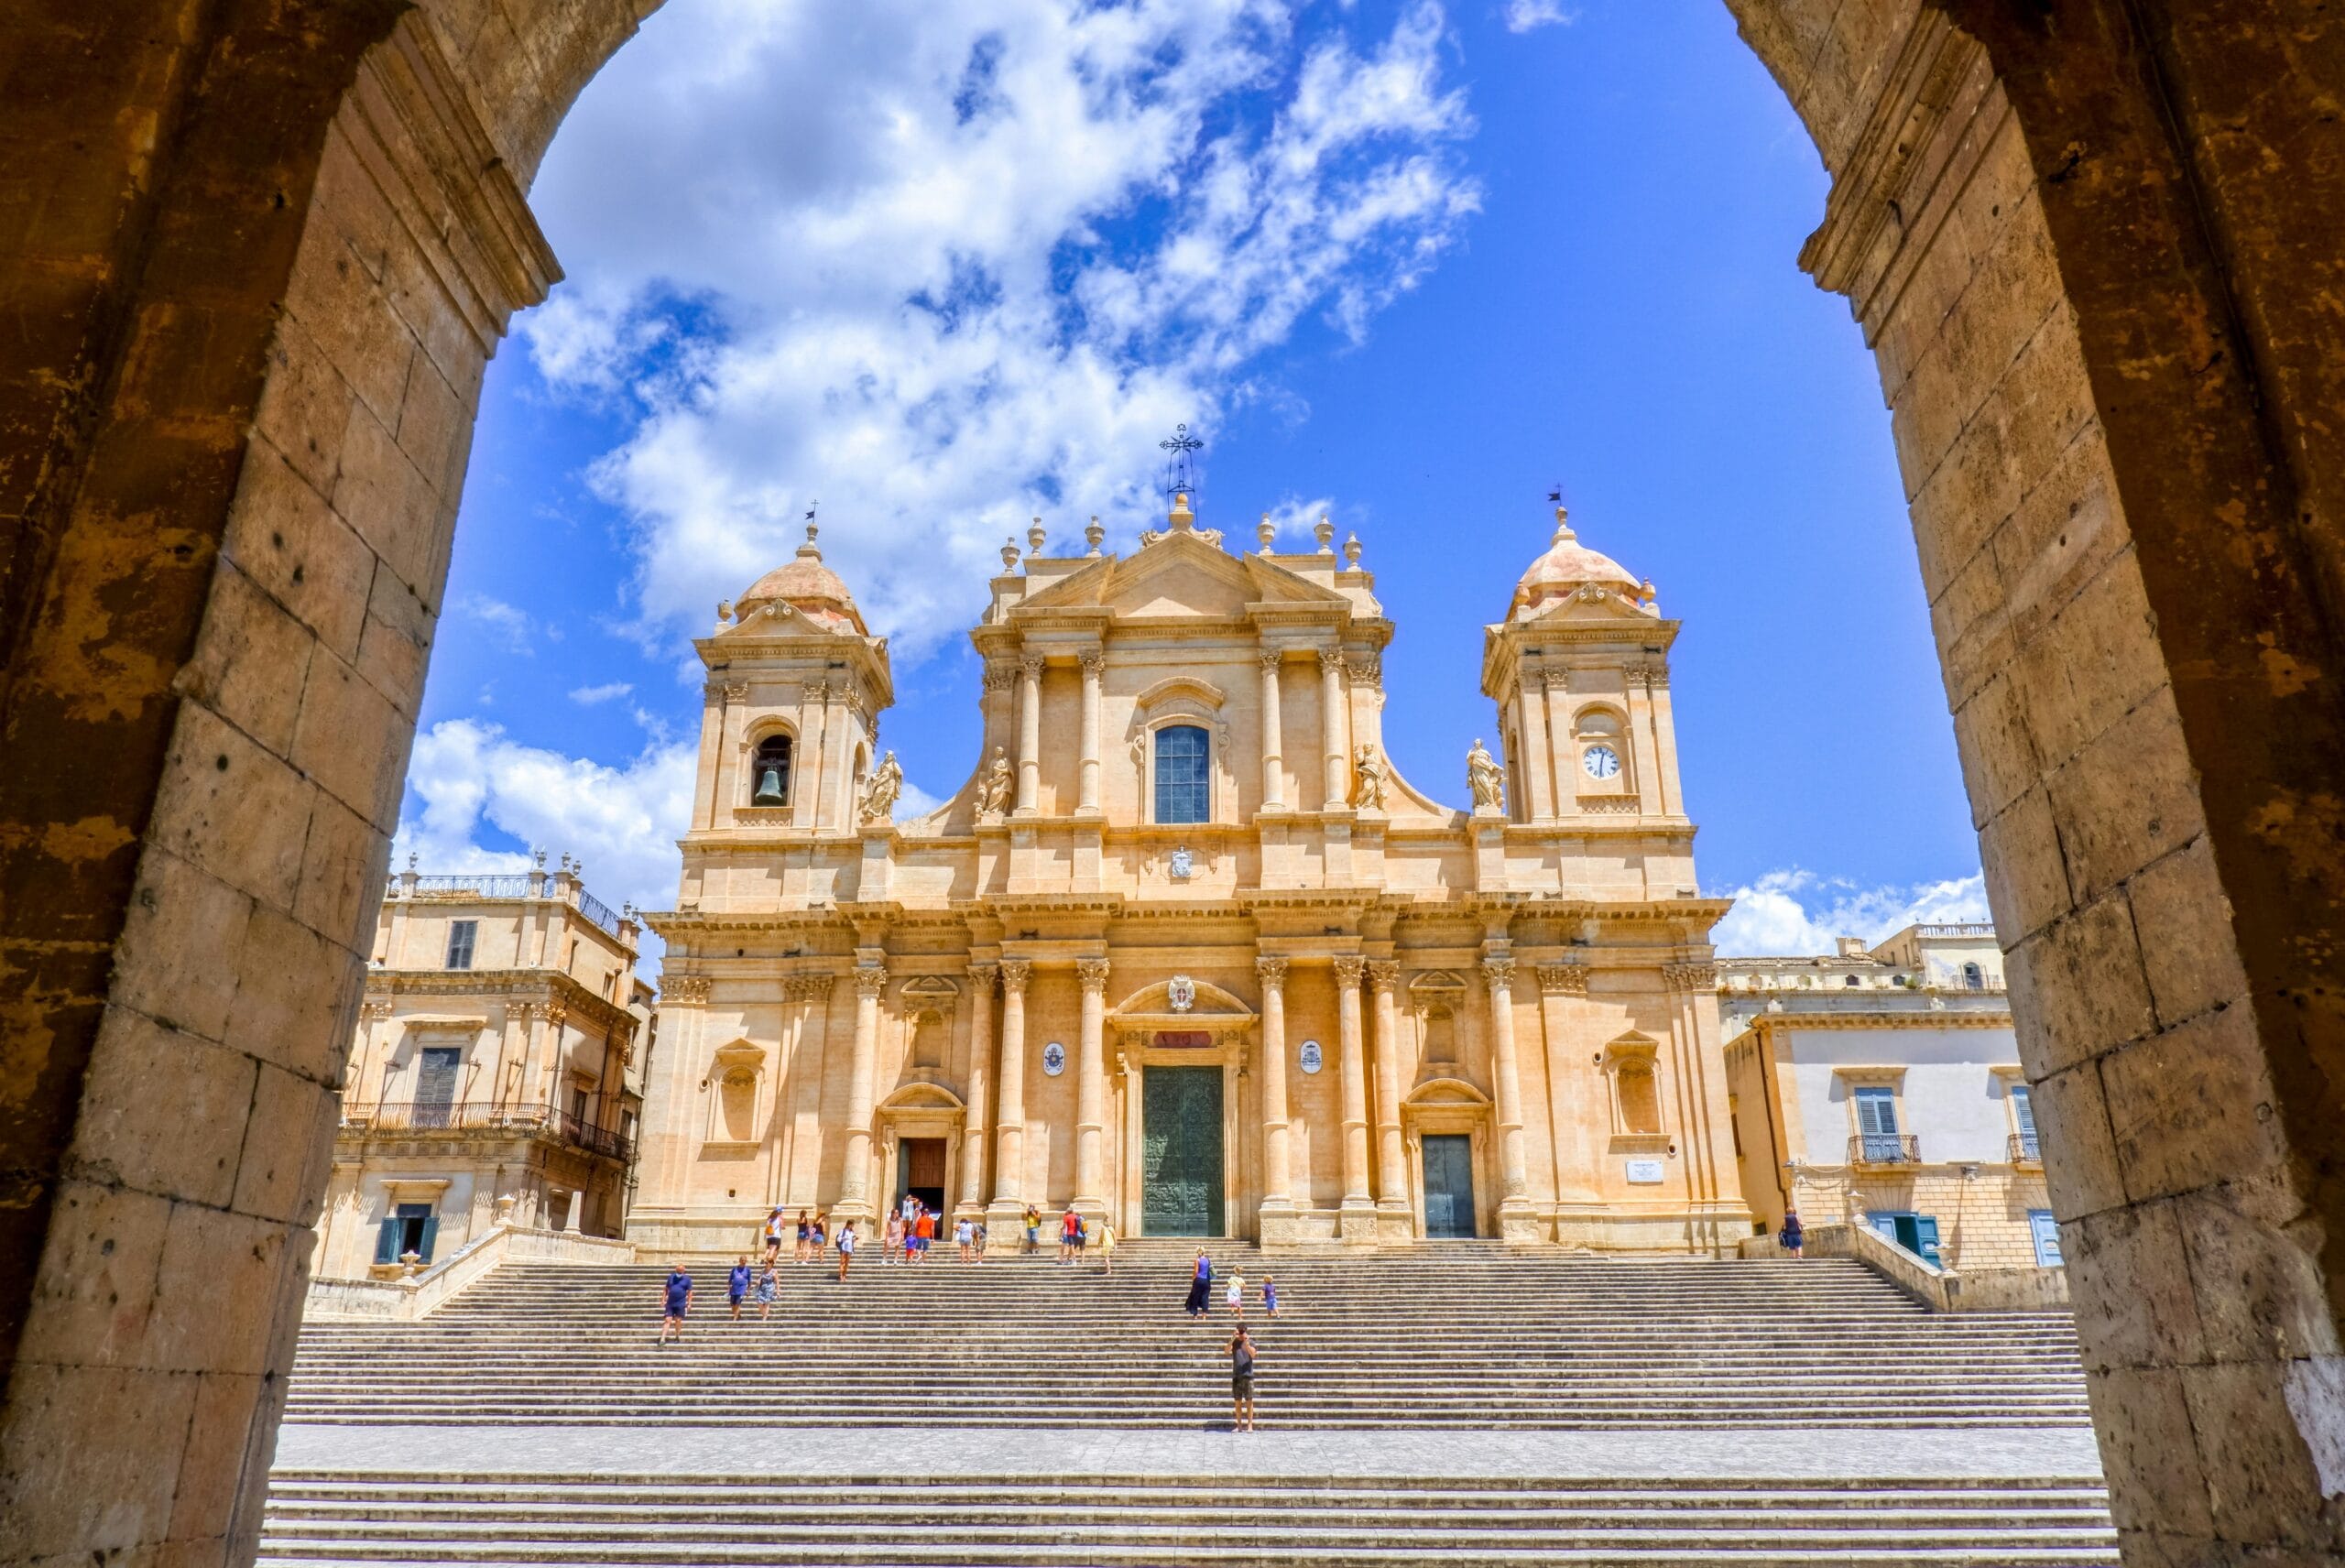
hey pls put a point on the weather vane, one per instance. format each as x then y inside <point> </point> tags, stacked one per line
<point>1180,469</point>
<point>1555,494</point>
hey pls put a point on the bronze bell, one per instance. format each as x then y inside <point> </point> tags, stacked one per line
<point>768,787</point>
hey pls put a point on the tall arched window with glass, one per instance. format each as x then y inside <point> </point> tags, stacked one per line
<point>1183,779</point>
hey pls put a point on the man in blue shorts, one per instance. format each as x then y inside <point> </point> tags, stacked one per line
<point>680,1302</point>
<point>737,1285</point>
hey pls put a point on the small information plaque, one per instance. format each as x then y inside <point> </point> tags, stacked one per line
<point>1645,1172</point>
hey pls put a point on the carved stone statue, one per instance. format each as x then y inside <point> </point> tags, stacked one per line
<point>993,790</point>
<point>879,795</point>
<point>1487,782</point>
<point>1368,779</point>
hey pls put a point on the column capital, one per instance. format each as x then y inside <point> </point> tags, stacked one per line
<point>1093,661</point>
<point>1014,974</point>
<point>684,989</point>
<point>1383,975</point>
<point>1690,977</point>
<point>808,988</point>
<point>1032,663</point>
<point>1499,972</point>
<point>1269,658</point>
<point>1348,969</point>
<point>1331,659</point>
<point>998,675</point>
<point>736,691</point>
<point>983,976</point>
<point>1271,969</point>
<point>1092,973</point>
<point>1564,979</point>
<point>870,979</point>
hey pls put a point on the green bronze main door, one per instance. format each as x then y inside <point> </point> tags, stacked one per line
<point>1181,1181</point>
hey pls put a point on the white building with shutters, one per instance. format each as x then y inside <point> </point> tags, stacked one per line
<point>1881,1085</point>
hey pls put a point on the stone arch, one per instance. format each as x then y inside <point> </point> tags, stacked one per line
<point>2091,259</point>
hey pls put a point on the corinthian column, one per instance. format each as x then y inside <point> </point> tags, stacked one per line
<point>1009,1120</point>
<point>1391,1164</point>
<point>1087,791</point>
<point>1358,1220</point>
<point>1335,758</point>
<point>1273,767</point>
<point>1276,1198</point>
<point>1512,1166</point>
<point>1091,1090</point>
<point>980,1086</point>
<point>1030,732</point>
<point>863,1069</point>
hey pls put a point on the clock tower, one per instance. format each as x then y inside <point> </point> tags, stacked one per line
<point>1579,669</point>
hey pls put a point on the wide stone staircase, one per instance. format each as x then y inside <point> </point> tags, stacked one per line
<point>1453,1340</point>
<point>1459,1338</point>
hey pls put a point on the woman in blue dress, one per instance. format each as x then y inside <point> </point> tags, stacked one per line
<point>1201,1287</point>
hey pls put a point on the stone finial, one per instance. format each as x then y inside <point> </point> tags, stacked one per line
<point>1009,555</point>
<point>724,611</point>
<point>411,858</point>
<point>1267,531</point>
<point>1646,597</point>
<point>538,858</point>
<point>1182,519</point>
<point>1325,532</point>
<point>1094,535</point>
<point>1034,538</point>
<point>809,547</point>
<point>1351,552</point>
<point>1564,525</point>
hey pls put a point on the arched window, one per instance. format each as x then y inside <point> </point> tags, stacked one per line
<point>1640,1099</point>
<point>769,772</point>
<point>1850,980</point>
<point>1973,978</point>
<point>1183,779</point>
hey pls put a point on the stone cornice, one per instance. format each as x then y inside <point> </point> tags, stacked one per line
<point>1766,1023</point>
<point>543,986</point>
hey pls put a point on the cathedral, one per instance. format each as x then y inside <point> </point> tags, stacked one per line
<point>1185,950</point>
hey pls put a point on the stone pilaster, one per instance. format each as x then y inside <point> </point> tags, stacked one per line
<point>1356,1221</point>
<point>1277,1217</point>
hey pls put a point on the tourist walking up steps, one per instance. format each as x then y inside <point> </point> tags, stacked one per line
<point>1235,1295</point>
<point>1201,1287</point>
<point>1791,1236</point>
<point>1270,1296</point>
<point>965,1236</point>
<point>679,1292</point>
<point>1070,1227</point>
<point>980,1239</point>
<point>773,1236</point>
<point>1240,1350</point>
<point>805,1236</point>
<point>846,1248</point>
<point>1106,1246</point>
<point>736,1285</point>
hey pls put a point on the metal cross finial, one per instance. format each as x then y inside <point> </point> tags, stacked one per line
<point>1180,469</point>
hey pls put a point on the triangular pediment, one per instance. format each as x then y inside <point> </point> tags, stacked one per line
<point>1180,575</point>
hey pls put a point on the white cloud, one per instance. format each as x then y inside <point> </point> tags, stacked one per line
<point>588,696</point>
<point>1527,16</point>
<point>1793,911</point>
<point>949,267</point>
<point>621,821</point>
<point>511,627</point>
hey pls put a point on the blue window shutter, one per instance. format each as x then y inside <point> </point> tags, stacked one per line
<point>1883,1221</point>
<point>431,1233</point>
<point>386,1241</point>
<point>2046,1231</point>
<point>1925,1231</point>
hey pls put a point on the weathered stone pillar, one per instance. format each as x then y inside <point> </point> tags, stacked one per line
<point>1392,1155</point>
<point>863,1066</point>
<point>1515,1203</point>
<point>1087,792</point>
<point>982,977</point>
<point>1358,1219</point>
<point>1533,750</point>
<point>1278,1201</point>
<point>1335,760</point>
<point>1091,1091</point>
<point>1273,766</point>
<point>1029,734</point>
<point>1009,1120</point>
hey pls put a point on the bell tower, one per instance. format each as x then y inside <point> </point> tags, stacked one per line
<point>1579,669</point>
<point>791,716</point>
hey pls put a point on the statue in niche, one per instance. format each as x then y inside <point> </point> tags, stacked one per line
<point>993,792</point>
<point>879,795</point>
<point>1368,779</point>
<point>1487,783</point>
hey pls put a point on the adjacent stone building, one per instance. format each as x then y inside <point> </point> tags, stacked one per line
<point>1185,949</point>
<point>496,1072</point>
<point>1882,1086</point>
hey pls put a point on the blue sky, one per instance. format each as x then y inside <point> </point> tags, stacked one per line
<point>1410,264</point>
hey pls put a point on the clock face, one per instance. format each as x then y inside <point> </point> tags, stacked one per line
<point>1601,761</point>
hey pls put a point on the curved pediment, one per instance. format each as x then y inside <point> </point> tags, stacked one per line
<point>922,1096</point>
<point>1208,1005</point>
<point>1445,1092</point>
<point>1173,686</point>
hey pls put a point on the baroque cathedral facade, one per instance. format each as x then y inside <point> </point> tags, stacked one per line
<point>1185,950</point>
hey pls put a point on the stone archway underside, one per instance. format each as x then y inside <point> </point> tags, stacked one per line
<point>259,251</point>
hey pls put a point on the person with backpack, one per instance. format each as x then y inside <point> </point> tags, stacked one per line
<point>1791,1236</point>
<point>1240,1350</point>
<point>773,1236</point>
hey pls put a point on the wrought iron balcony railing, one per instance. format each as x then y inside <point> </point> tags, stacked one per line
<point>2026,1150</point>
<point>1884,1148</point>
<point>441,1116</point>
